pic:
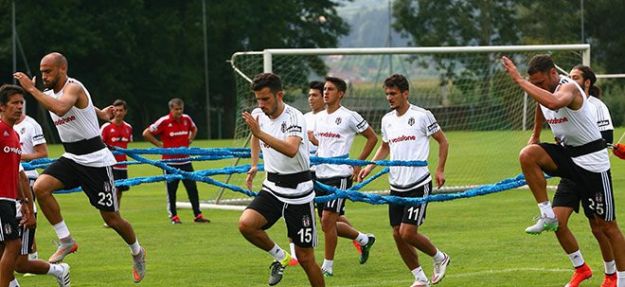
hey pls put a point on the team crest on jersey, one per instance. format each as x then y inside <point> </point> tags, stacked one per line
<point>170,125</point>
<point>306,221</point>
<point>112,130</point>
<point>283,127</point>
<point>6,134</point>
<point>338,121</point>
<point>22,131</point>
<point>411,121</point>
<point>7,229</point>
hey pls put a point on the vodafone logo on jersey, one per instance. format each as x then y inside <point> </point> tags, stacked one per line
<point>180,133</point>
<point>403,138</point>
<point>9,149</point>
<point>63,121</point>
<point>556,121</point>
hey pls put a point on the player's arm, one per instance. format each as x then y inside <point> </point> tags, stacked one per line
<point>39,151</point>
<point>148,136</point>
<point>372,140</point>
<point>26,198</point>
<point>105,114</point>
<point>58,106</point>
<point>564,97</point>
<point>192,133</point>
<point>312,138</point>
<point>539,120</point>
<point>380,154</point>
<point>288,147</point>
<point>443,150</point>
<point>255,152</point>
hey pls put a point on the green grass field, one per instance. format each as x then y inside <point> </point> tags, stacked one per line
<point>483,235</point>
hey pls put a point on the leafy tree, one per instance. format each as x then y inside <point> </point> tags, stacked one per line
<point>148,51</point>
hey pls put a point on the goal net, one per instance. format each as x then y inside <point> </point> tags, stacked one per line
<point>485,116</point>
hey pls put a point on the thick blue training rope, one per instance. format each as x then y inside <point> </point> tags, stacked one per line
<point>199,154</point>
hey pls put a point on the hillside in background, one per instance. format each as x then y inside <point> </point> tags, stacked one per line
<point>369,23</point>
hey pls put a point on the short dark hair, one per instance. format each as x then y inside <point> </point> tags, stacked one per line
<point>338,82</point>
<point>120,102</point>
<point>175,101</point>
<point>6,91</point>
<point>540,63</point>
<point>267,80</point>
<point>588,74</point>
<point>397,81</point>
<point>316,85</point>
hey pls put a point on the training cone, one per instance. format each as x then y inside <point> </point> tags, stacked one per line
<point>619,150</point>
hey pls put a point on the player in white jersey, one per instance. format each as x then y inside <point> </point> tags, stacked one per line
<point>279,130</point>
<point>86,161</point>
<point>335,129</point>
<point>34,147</point>
<point>580,154</point>
<point>406,131</point>
<point>316,104</point>
<point>568,194</point>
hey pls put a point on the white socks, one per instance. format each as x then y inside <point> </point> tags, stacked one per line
<point>135,248</point>
<point>609,266</point>
<point>439,256</point>
<point>277,253</point>
<point>61,230</point>
<point>546,210</point>
<point>14,283</point>
<point>55,269</point>
<point>620,275</point>
<point>292,245</point>
<point>419,274</point>
<point>362,239</point>
<point>327,265</point>
<point>576,259</point>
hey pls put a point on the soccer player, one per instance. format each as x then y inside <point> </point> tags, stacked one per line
<point>118,133</point>
<point>11,104</point>
<point>34,147</point>
<point>567,196</point>
<point>580,154</point>
<point>316,104</point>
<point>280,131</point>
<point>177,130</point>
<point>24,264</point>
<point>86,162</point>
<point>405,135</point>
<point>335,129</point>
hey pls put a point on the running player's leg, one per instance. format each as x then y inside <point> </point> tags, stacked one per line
<point>301,228</point>
<point>44,186</point>
<point>569,243</point>
<point>534,161</point>
<point>36,266</point>
<point>306,257</point>
<point>9,249</point>
<point>606,252</point>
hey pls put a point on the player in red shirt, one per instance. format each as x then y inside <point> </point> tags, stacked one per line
<point>11,105</point>
<point>176,130</point>
<point>118,133</point>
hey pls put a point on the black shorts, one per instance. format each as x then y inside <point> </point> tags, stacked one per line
<point>594,189</point>
<point>121,174</point>
<point>409,214</point>
<point>9,228</point>
<point>299,218</point>
<point>336,205</point>
<point>567,194</point>
<point>97,182</point>
<point>28,239</point>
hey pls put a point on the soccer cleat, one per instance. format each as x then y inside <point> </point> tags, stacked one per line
<point>581,273</point>
<point>327,273</point>
<point>293,262</point>
<point>542,224</point>
<point>175,219</point>
<point>357,246</point>
<point>364,254</point>
<point>63,250</point>
<point>200,219</point>
<point>138,266</point>
<point>419,283</point>
<point>440,269</point>
<point>63,279</point>
<point>276,270</point>
<point>609,280</point>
